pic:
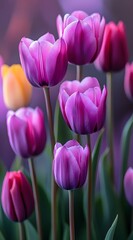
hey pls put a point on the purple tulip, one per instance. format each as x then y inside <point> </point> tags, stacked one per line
<point>114,51</point>
<point>83,105</point>
<point>44,61</point>
<point>128,81</point>
<point>17,196</point>
<point>70,164</point>
<point>128,185</point>
<point>83,35</point>
<point>26,131</point>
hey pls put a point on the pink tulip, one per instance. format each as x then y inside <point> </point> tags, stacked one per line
<point>70,164</point>
<point>17,196</point>
<point>83,105</point>
<point>114,51</point>
<point>128,81</point>
<point>83,35</point>
<point>26,131</point>
<point>128,185</point>
<point>44,61</point>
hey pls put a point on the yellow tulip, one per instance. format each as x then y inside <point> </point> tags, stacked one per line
<point>16,88</point>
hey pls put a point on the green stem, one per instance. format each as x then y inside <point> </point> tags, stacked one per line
<point>109,122</point>
<point>36,197</point>
<point>71,214</point>
<point>89,199</point>
<point>79,71</point>
<point>53,184</point>
<point>21,231</point>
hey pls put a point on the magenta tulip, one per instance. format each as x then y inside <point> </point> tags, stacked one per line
<point>128,185</point>
<point>70,164</point>
<point>83,105</point>
<point>17,197</point>
<point>128,81</point>
<point>114,51</point>
<point>83,35</point>
<point>44,61</point>
<point>26,131</point>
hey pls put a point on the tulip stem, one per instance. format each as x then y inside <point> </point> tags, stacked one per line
<point>109,121</point>
<point>79,71</point>
<point>21,231</point>
<point>71,214</point>
<point>36,197</point>
<point>53,184</point>
<point>89,199</point>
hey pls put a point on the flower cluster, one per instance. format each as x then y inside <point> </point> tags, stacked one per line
<point>83,39</point>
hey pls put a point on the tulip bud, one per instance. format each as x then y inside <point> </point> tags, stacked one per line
<point>26,131</point>
<point>128,185</point>
<point>83,105</point>
<point>83,35</point>
<point>44,61</point>
<point>17,197</point>
<point>128,81</point>
<point>114,51</point>
<point>70,164</point>
<point>16,88</point>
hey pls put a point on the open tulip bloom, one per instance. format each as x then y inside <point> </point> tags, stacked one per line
<point>83,105</point>
<point>74,160</point>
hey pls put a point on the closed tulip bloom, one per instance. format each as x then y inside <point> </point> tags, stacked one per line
<point>26,131</point>
<point>128,81</point>
<point>128,185</point>
<point>44,61</point>
<point>83,105</point>
<point>16,88</point>
<point>17,197</point>
<point>114,51</point>
<point>83,35</point>
<point>70,164</point>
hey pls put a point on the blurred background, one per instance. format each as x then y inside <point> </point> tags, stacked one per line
<point>33,18</point>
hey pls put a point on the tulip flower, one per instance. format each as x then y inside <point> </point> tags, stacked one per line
<point>70,164</point>
<point>83,105</point>
<point>44,61</point>
<point>17,197</point>
<point>128,81</point>
<point>16,88</point>
<point>114,51</point>
<point>26,131</point>
<point>128,185</point>
<point>83,35</point>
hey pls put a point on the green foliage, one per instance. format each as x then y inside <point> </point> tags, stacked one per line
<point>111,231</point>
<point>31,232</point>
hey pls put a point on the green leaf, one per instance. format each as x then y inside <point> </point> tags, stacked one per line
<point>130,236</point>
<point>31,232</point>
<point>125,144</point>
<point>62,131</point>
<point>111,231</point>
<point>66,235</point>
<point>95,158</point>
<point>17,164</point>
<point>1,236</point>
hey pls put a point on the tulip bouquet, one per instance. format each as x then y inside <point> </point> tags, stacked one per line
<point>79,200</point>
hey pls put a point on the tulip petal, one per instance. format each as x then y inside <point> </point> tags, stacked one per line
<point>81,113</point>
<point>66,169</point>
<point>101,109</point>
<point>6,199</point>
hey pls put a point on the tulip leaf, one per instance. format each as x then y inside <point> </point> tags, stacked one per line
<point>66,235</point>
<point>1,236</point>
<point>31,232</point>
<point>62,131</point>
<point>17,164</point>
<point>110,200</point>
<point>125,144</point>
<point>130,236</point>
<point>95,157</point>
<point>111,231</point>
